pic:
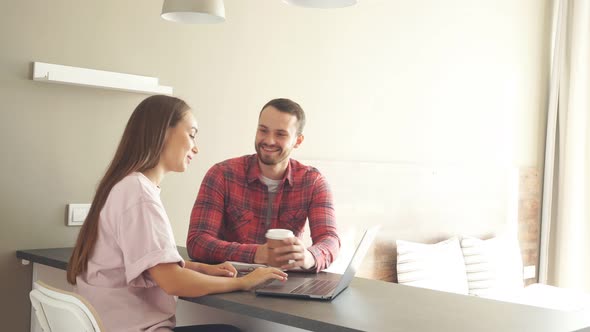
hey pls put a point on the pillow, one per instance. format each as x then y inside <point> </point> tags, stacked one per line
<point>437,266</point>
<point>494,266</point>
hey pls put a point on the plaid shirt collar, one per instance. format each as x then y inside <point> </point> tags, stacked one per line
<point>253,171</point>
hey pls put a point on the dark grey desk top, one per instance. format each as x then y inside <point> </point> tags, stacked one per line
<point>369,305</point>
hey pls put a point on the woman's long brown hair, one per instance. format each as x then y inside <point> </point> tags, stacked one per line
<point>138,151</point>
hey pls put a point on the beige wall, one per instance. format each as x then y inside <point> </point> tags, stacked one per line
<point>426,81</point>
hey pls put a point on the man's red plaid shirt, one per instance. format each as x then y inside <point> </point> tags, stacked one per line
<point>230,214</point>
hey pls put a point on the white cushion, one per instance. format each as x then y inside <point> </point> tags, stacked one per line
<point>494,266</point>
<point>437,266</point>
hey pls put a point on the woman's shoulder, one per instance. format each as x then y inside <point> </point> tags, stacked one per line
<point>135,186</point>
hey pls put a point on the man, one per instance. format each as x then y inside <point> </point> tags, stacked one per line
<point>241,198</point>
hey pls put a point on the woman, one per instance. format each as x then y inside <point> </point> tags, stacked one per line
<point>125,262</point>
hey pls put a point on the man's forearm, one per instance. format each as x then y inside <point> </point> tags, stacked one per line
<point>206,248</point>
<point>325,251</point>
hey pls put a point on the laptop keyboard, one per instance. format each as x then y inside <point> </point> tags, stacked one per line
<point>316,287</point>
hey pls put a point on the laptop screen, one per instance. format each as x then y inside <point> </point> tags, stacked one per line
<point>357,258</point>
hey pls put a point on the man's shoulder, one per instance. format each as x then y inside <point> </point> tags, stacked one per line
<point>233,163</point>
<point>233,168</point>
<point>300,169</point>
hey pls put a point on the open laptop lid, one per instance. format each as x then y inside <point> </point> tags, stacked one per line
<point>357,258</point>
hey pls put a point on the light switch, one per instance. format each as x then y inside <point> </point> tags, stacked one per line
<point>77,214</point>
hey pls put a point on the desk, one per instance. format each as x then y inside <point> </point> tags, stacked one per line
<point>370,305</point>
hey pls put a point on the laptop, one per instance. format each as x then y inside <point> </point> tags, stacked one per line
<point>323,286</point>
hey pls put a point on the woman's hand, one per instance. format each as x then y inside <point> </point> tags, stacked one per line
<point>261,275</point>
<point>224,269</point>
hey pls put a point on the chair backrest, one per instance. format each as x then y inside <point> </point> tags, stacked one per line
<point>59,310</point>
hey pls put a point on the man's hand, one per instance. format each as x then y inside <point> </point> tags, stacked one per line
<point>295,253</point>
<point>261,255</point>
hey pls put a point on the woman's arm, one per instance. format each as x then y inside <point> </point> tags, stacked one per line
<point>222,270</point>
<point>179,281</point>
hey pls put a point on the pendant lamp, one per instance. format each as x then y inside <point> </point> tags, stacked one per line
<point>194,11</point>
<point>322,3</point>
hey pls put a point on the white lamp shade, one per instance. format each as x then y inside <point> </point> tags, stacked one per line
<point>194,11</point>
<point>321,3</point>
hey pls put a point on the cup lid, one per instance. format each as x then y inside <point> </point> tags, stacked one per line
<point>278,233</point>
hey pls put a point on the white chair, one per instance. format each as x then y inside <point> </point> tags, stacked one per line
<point>61,311</point>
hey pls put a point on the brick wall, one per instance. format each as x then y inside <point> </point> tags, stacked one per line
<point>529,218</point>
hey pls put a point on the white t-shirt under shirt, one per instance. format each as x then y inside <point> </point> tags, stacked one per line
<point>271,184</point>
<point>134,234</point>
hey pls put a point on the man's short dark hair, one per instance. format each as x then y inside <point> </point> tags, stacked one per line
<point>288,106</point>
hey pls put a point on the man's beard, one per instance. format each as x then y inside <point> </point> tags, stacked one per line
<point>269,160</point>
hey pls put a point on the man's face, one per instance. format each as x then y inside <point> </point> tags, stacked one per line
<point>276,136</point>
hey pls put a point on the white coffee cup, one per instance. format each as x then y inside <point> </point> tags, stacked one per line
<point>274,239</point>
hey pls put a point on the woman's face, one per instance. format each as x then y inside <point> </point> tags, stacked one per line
<point>180,145</point>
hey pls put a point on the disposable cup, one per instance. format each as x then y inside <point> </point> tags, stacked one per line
<point>274,239</point>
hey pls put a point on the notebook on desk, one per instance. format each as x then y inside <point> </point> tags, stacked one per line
<point>325,286</point>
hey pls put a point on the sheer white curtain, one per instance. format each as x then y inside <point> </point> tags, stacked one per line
<point>565,237</point>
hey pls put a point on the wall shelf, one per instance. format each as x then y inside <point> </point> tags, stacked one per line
<point>51,73</point>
